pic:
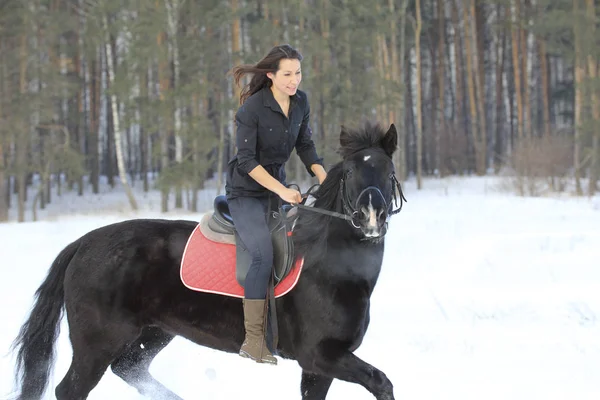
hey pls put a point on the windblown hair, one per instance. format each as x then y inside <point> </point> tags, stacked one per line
<point>270,63</point>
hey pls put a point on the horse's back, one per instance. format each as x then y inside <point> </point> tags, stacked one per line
<point>126,263</point>
<point>149,237</point>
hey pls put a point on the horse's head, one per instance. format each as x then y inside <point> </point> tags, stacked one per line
<point>369,190</point>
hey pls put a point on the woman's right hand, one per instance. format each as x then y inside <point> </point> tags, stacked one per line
<point>292,196</point>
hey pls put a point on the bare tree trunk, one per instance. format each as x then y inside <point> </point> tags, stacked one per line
<point>441,76</point>
<point>4,187</point>
<point>236,50</point>
<point>143,132</point>
<point>5,86</point>
<point>479,73</point>
<point>95,107</point>
<point>392,115</point>
<point>579,76</point>
<point>163,80</point>
<point>172,19</point>
<point>401,153</point>
<point>379,42</point>
<point>346,42</point>
<point>221,145</point>
<point>195,111</point>
<point>193,202</point>
<point>500,56</point>
<point>410,118</point>
<point>324,65</point>
<point>43,189</point>
<point>545,86</point>
<point>510,109</point>
<point>595,106</point>
<point>236,46</point>
<point>21,150</point>
<point>298,36</point>
<point>115,113</point>
<point>525,56</point>
<point>109,155</point>
<point>79,102</point>
<point>515,34</point>
<point>471,86</point>
<point>458,64</point>
<point>418,26</point>
<point>385,73</point>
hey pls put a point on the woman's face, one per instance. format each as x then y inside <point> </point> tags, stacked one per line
<point>287,79</point>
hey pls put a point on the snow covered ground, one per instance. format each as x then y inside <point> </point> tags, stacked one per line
<point>483,295</point>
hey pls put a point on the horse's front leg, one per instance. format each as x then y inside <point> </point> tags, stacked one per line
<point>334,360</point>
<point>314,387</point>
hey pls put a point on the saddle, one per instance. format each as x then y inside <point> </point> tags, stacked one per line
<point>219,227</point>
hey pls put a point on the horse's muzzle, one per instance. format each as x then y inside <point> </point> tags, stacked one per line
<point>371,218</point>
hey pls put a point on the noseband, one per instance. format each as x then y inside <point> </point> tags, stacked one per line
<point>351,210</point>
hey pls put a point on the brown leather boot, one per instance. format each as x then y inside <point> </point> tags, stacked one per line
<point>255,345</point>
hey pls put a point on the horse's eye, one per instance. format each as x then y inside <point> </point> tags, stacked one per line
<point>349,173</point>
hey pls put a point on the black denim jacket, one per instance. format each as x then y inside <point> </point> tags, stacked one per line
<point>267,137</point>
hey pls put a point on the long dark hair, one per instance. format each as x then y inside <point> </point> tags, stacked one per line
<point>270,63</point>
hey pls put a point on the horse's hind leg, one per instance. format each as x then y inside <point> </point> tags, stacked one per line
<point>313,386</point>
<point>132,365</point>
<point>333,359</point>
<point>96,342</point>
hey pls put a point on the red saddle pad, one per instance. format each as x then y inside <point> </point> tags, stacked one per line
<point>209,266</point>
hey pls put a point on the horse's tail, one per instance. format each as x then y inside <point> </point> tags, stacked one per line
<point>35,342</point>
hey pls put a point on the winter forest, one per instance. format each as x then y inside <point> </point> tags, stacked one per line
<point>138,91</point>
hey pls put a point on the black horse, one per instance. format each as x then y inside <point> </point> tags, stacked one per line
<point>124,300</point>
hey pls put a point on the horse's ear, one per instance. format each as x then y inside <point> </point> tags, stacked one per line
<point>390,140</point>
<point>344,137</point>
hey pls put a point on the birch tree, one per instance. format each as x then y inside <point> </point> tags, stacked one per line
<point>23,131</point>
<point>172,23</point>
<point>115,116</point>
<point>469,48</point>
<point>4,179</point>
<point>514,15</point>
<point>3,184</point>
<point>579,76</point>
<point>401,153</point>
<point>592,64</point>
<point>418,26</point>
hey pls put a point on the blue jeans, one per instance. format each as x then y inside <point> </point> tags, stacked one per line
<point>250,219</point>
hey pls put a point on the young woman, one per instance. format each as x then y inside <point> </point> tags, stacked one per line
<point>272,120</point>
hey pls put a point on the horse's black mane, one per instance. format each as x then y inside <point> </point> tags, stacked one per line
<point>312,228</point>
<point>369,136</point>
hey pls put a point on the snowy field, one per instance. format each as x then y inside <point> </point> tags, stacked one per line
<point>483,295</point>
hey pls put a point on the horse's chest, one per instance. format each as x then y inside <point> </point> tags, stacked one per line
<point>338,307</point>
<point>333,297</point>
<point>353,265</point>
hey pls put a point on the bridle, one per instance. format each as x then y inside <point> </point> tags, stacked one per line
<point>388,210</point>
<point>351,212</point>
